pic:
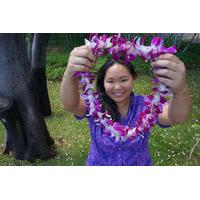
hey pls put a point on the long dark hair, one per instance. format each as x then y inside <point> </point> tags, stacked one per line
<point>107,102</point>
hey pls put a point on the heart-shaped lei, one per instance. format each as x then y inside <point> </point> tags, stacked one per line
<point>119,47</point>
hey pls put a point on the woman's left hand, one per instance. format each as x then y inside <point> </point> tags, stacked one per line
<point>170,70</point>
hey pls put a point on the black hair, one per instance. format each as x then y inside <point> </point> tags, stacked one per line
<point>107,102</point>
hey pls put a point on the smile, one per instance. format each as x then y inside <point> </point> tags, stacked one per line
<point>118,94</point>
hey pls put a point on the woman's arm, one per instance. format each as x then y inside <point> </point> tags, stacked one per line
<point>178,109</point>
<point>70,96</point>
<point>81,60</point>
<point>171,72</point>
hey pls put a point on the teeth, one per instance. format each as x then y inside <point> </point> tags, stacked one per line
<point>118,94</point>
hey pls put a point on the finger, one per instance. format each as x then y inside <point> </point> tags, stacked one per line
<point>86,52</point>
<point>82,61</point>
<point>165,73</point>
<point>166,81</point>
<point>80,68</point>
<point>169,57</point>
<point>164,64</point>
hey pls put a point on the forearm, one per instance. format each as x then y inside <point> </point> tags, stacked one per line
<point>69,92</point>
<point>180,106</point>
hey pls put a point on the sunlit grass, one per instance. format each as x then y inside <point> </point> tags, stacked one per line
<point>170,146</point>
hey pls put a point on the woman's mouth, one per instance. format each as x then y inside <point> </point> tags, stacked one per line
<point>118,94</point>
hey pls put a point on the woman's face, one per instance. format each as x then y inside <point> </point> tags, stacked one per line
<point>118,83</point>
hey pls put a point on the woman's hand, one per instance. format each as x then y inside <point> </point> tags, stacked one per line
<point>170,70</point>
<point>81,59</point>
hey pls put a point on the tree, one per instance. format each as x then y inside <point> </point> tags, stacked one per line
<point>37,58</point>
<point>27,134</point>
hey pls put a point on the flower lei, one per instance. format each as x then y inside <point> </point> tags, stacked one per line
<point>119,47</point>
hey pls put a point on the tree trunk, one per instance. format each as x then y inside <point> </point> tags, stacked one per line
<point>15,140</point>
<point>37,57</point>
<point>27,124</point>
<point>29,48</point>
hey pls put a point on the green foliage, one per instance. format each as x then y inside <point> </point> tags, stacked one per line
<point>67,41</point>
<point>55,64</point>
<point>57,60</point>
<point>61,44</point>
<point>140,66</point>
<point>55,73</point>
<point>191,57</point>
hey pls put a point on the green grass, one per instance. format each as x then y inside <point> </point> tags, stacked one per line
<point>169,146</point>
<point>172,146</point>
<point>71,136</point>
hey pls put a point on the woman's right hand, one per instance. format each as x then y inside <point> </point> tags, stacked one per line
<point>81,59</point>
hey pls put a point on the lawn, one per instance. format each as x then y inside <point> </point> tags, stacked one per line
<point>171,146</point>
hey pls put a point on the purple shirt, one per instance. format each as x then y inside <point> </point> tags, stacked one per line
<point>105,151</point>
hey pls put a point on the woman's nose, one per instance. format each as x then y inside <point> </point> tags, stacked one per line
<point>117,86</point>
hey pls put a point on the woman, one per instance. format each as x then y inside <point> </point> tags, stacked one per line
<point>115,81</point>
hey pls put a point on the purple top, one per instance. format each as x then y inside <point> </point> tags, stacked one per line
<point>104,150</point>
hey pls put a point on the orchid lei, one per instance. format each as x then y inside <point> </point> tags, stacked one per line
<point>119,47</point>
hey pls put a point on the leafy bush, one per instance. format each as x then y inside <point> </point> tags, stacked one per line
<point>57,61</point>
<point>191,57</point>
<point>55,73</point>
<point>55,65</point>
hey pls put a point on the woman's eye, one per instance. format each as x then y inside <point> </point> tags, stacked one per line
<point>123,80</point>
<point>109,81</point>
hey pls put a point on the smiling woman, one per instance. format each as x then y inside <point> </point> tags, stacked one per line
<point>114,85</point>
<point>125,140</point>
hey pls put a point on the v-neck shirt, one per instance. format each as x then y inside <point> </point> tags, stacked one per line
<point>105,151</point>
